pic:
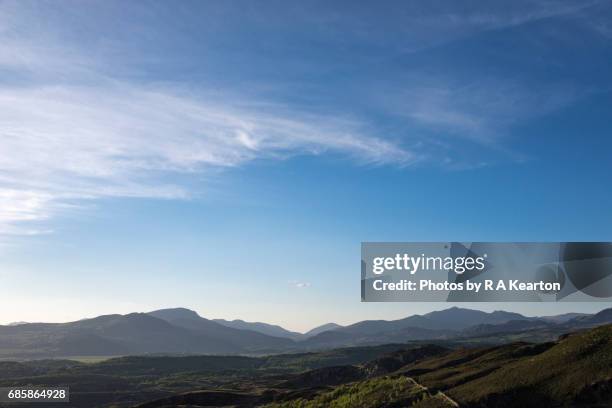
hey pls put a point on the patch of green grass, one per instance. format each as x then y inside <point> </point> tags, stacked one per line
<point>377,392</point>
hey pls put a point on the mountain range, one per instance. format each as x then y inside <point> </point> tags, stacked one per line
<point>274,330</point>
<point>183,331</point>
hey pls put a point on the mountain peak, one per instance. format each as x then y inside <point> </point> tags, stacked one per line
<point>175,314</point>
<point>322,328</point>
<point>17,323</point>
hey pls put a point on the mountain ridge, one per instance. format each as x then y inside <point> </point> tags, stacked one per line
<point>264,328</point>
<point>184,331</point>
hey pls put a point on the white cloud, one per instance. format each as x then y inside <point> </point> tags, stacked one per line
<point>61,143</point>
<point>299,285</point>
<point>22,205</point>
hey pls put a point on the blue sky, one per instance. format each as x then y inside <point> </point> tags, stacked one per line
<point>231,156</point>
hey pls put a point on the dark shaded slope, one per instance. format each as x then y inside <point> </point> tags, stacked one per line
<point>246,340</point>
<point>135,333</point>
<point>575,370</point>
<point>507,327</point>
<point>602,317</point>
<point>567,373</point>
<point>435,325</point>
<point>259,327</point>
<point>362,336</point>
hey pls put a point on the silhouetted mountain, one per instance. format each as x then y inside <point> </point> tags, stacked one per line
<point>449,319</point>
<point>507,327</point>
<point>457,318</point>
<point>434,325</point>
<point>184,331</point>
<point>134,333</point>
<point>175,314</point>
<point>321,329</point>
<point>330,338</point>
<point>340,337</point>
<point>264,328</point>
<point>240,339</point>
<point>562,318</point>
<point>180,331</point>
<point>602,317</point>
<point>275,330</point>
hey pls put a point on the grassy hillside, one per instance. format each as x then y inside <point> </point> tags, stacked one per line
<point>378,392</point>
<point>575,370</point>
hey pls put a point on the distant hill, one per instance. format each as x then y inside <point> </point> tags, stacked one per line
<point>562,318</point>
<point>241,339</point>
<point>507,327</point>
<point>177,313</point>
<point>340,338</point>
<point>457,318</point>
<point>16,323</point>
<point>602,317</point>
<point>174,331</point>
<point>109,335</point>
<point>264,328</point>
<point>435,325</point>
<point>275,330</point>
<point>321,329</point>
<point>449,319</point>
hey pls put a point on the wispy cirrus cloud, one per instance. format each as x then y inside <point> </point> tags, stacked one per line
<point>20,206</point>
<point>64,143</point>
<point>482,110</point>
